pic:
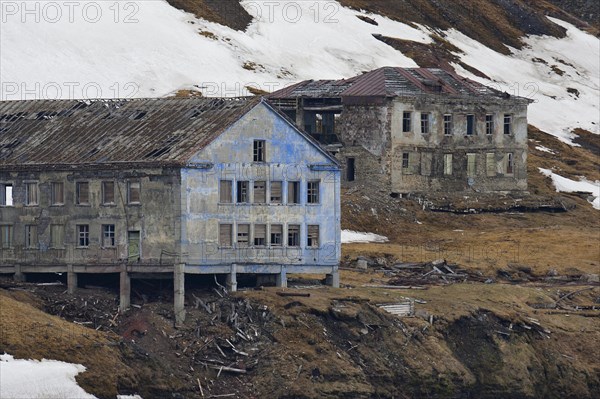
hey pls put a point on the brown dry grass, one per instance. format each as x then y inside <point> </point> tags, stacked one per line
<point>29,333</point>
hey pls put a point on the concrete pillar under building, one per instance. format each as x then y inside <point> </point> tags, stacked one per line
<point>19,276</point>
<point>281,278</point>
<point>333,279</point>
<point>232,279</point>
<point>125,290</point>
<point>71,280</point>
<point>179,293</point>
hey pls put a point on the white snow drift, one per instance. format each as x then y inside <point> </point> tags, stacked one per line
<point>569,186</point>
<point>349,236</point>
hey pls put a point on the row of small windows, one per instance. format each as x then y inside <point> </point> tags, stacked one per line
<point>266,235</point>
<point>57,235</point>
<point>449,123</point>
<point>490,163</point>
<point>259,192</point>
<point>82,193</point>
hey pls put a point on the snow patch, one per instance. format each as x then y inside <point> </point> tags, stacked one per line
<point>349,236</point>
<point>544,149</point>
<point>566,185</point>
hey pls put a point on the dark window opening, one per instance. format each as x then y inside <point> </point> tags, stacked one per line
<point>293,192</point>
<point>293,235</point>
<point>242,192</point>
<point>83,235</point>
<point>312,192</point>
<point>470,125</point>
<point>350,169</point>
<point>259,151</point>
<point>405,160</point>
<point>489,124</point>
<point>406,117</point>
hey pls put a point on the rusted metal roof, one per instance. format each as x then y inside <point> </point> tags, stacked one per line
<point>393,82</point>
<point>159,132</point>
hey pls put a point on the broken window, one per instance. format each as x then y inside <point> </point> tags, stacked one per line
<point>134,192</point>
<point>108,235</point>
<point>471,165</point>
<point>243,235</point>
<point>260,235</point>
<point>293,235</point>
<point>490,164</point>
<point>225,232</point>
<point>507,124</point>
<point>312,240</point>
<point>82,193</point>
<point>108,192</point>
<point>225,191</point>
<point>293,192</point>
<point>424,123</point>
<point>31,194</point>
<point>260,192</point>
<point>58,193</point>
<point>83,235</point>
<point>405,160</point>
<point>276,192</point>
<point>406,117</point>
<point>259,151</point>
<point>242,192</point>
<point>312,192</point>
<point>6,194</point>
<point>6,235</point>
<point>57,235</point>
<point>448,124</point>
<point>470,125</point>
<point>448,164</point>
<point>31,240</point>
<point>489,124</point>
<point>510,164</point>
<point>276,235</point>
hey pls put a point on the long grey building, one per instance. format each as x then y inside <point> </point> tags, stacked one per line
<point>169,186</point>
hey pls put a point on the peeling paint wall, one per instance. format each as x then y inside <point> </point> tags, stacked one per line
<point>155,217</point>
<point>288,158</point>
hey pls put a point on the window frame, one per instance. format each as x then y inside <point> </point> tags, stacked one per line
<point>4,191</point>
<point>310,238</point>
<point>31,242</point>
<point>31,187</point>
<point>405,160</point>
<point>7,235</point>
<point>406,121</point>
<point>53,191</point>
<point>271,233</point>
<point>280,201</point>
<point>130,187</point>
<point>313,194</point>
<point>239,190</point>
<point>103,188</point>
<point>489,124</point>
<point>448,162</point>
<point>473,122</point>
<point>508,124</point>
<point>448,124</point>
<point>259,151</point>
<point>471,156</point>
<point>263,190</point>
<point>296,199</point>
<point>509,167</point>
<point>81,234</point>
<point>61,245</point>
<point>490,164</point>
<point>104,236</point>
<point>239,228</point>
<point>230,226</point>
<point>425,122</point>
<point>255,235</point>
<point>297,235</point>
<point>221,186</point>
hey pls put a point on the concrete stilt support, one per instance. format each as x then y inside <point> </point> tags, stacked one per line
<point>232,279</point>
<point>19,276</point>
<point>281,278</point>
<point>125,290</point>
<point>333,279</point>
<point>71,280</point>
<point>179,293</point>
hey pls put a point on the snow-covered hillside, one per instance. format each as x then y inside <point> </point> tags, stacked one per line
<point>148,48</point>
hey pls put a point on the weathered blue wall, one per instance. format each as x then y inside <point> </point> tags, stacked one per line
<point>289,156</point>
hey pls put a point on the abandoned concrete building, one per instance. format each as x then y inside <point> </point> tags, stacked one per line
<point>415,130</point>
<point>164,186</point>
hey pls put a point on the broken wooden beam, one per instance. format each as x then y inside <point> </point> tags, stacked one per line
<point>302,294</point>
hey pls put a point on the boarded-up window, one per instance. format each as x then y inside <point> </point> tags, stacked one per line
<point>276,235</point>
<point>426,161</point>
<point>225,232</point>
<point>509,163</point>
<point>293,235</point>
<point>293,192</point>
<point>58,193</point>
<point>276,192</point>
<point>260,192</point>
<point>57,236</point>
<point>312,192</point>
<point>313,236</point>
<point>260,235</point>
<point>490,164</point>
<point>134,192</point>
<point>471,165</point>
<point>448,164</point>
<point>31,239</point>
<point>243,235</point>
<point>6,235</point>
<point>108,192</point>
<point>242,192</point>
<point>31,194</point>
<point>225,191</point>
<point>82,193</point>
